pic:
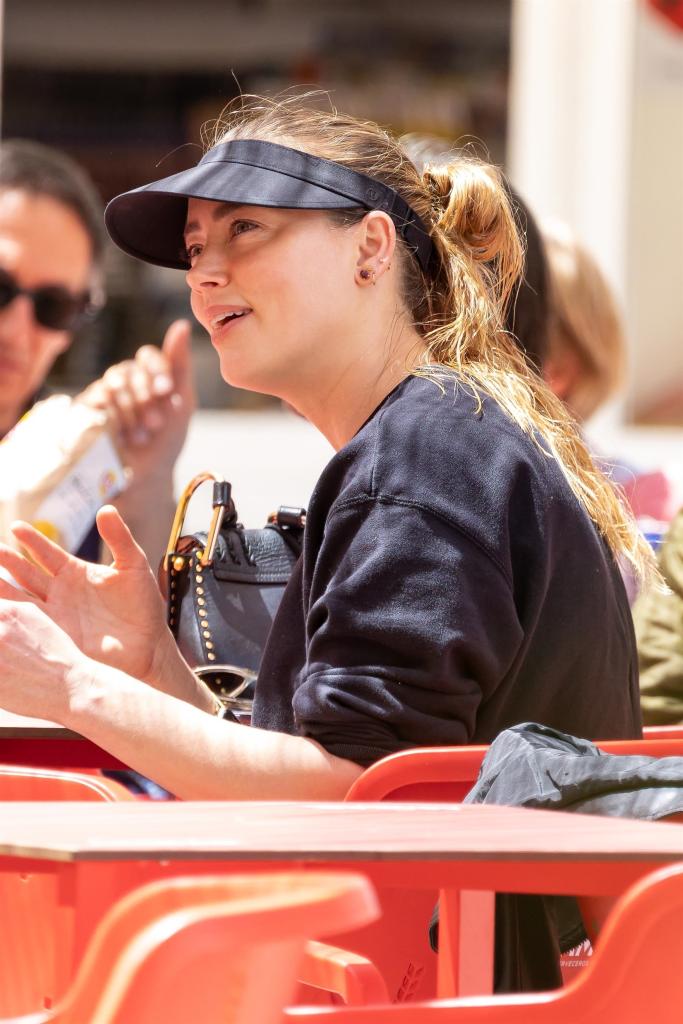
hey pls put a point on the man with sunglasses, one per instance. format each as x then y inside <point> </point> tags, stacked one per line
<point>51,247</point>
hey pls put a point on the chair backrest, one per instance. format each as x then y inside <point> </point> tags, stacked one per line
<point>663,732</point>
<point>24,783</point>
<point>634,976</point>
<point>448,773</point>
<point>209,948</point>
<point>422,774</point>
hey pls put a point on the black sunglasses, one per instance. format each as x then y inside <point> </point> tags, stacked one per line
<point>54,307</point>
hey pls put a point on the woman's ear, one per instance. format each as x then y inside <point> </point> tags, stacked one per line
<point>376,246</point>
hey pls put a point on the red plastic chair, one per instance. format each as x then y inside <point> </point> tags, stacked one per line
<point>663,732</point>
<point>634,976</point>
<point>397,945</point>
<point>208,949</point>
<point>30,903</point>
<point>32,919</point>
<point>448,773</point>
<point>25,783</point>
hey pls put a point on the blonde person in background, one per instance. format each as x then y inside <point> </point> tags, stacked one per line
<point>51,249</point>
<point>584,366</point>
<point>585,358</point>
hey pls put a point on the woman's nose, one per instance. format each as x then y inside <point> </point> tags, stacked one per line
<point>19,315</point>
<point>209,270</point>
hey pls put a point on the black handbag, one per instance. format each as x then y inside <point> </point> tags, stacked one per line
<point>223,588</point>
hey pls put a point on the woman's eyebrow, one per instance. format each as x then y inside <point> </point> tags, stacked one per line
<point>224,210</point>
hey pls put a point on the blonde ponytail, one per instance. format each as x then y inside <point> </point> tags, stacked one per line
<point>470,207</point>
<point>481,255</point>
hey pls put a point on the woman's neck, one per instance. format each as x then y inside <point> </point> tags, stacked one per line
<point>361,385</point>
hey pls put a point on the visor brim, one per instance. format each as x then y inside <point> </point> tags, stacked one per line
<point>149,222</point>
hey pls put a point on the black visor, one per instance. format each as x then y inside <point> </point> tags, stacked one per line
<point>149,221</point>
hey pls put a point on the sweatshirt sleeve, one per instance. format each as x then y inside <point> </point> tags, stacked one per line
<point>410,627</point>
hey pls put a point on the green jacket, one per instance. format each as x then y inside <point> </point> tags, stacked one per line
<point>658,618</point>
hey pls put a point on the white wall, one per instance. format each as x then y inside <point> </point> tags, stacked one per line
<point>596,139</point>
<point>655,253</point>
<point>569,126</point>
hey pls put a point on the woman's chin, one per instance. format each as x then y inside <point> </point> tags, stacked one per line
<point>245,381</point>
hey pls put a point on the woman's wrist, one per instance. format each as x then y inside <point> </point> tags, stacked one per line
<point>171,674</point>
<point>85,689</point>
<point>94,693</point>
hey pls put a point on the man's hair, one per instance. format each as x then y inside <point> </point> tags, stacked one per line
<point>43,171</point>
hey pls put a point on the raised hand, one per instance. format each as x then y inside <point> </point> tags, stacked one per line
<point>113,614</point>
<point>149,400</point>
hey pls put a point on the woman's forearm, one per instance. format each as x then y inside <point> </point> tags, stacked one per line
<point>194,754</point>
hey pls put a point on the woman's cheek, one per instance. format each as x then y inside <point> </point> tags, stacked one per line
<point>196,307</point>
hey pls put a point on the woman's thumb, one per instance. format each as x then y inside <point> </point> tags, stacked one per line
<point>118,538</point>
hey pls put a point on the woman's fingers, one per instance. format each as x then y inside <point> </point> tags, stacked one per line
<point>8,592</point>
<point>26,574</point>
<point>118,538</point>
<point>45,552</point>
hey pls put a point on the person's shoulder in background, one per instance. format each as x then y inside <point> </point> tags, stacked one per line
<point>658,618</point>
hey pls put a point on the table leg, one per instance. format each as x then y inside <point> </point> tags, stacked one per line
<point>466,927</point>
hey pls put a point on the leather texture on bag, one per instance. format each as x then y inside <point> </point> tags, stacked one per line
<point>239,597</point>
<point>221,613</point>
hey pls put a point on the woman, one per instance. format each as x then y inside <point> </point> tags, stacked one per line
<point>459,567</point>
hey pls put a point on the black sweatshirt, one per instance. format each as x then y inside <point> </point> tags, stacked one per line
<point>450,586</point>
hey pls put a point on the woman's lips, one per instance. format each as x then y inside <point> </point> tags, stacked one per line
<point>220,326</point>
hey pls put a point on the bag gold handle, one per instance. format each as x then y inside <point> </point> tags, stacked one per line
<point>206,557</point>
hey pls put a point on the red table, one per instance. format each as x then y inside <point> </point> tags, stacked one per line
<point>94,853</point>
<point>42,744</point>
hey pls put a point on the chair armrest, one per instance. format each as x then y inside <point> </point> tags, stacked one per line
<point>353,978</point>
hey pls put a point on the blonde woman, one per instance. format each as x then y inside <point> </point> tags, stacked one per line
<point>586,358</point>
<point>585,361</point>
<point>459,567</point>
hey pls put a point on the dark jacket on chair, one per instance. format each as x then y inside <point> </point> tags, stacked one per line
<point>533,765</point>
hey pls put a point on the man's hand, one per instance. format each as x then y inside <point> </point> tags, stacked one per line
<point>150,400</point>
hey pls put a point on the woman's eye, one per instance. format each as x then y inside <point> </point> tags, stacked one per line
<point>240,226</point>
<point>192,251</point>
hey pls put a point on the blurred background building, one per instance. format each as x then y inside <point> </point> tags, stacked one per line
<point>580,100</point>
<point>125,87</point>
